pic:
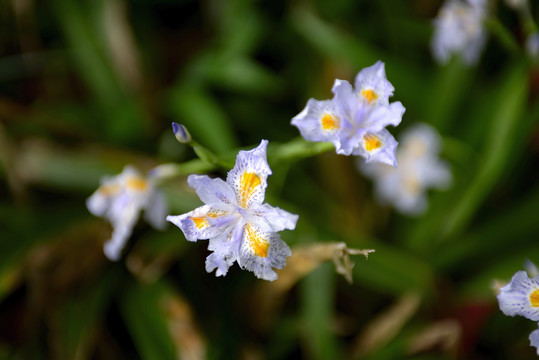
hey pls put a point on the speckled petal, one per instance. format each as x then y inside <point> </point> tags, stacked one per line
<point>515,297</point>
<point>261,251</point>
<point>205,222</point>
<point>248,177</point>
<point>225,249</point>
<point>273,219</point>
<point>212,191</point>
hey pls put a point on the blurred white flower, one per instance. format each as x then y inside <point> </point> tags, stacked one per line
<point>531,268</point>
<point>120,199</point>
<point>532,45</point>
<point>534,339</point>
<point>419,169</point>
<point>517,4</point>
<point>458,29</point>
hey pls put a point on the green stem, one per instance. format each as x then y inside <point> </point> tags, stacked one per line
<point>295,149</point>
<point>505,37</point>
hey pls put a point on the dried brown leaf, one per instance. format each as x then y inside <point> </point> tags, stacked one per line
<point>387,325</point>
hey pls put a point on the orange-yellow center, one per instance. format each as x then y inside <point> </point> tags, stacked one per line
<point>137,184</point>
<point>330,122</point>
<point>108,190</point>
<point>258,244</point>
<point>369,95</point>
<point>248,183</point>
<point>372,142</point>
<point>201,221</point>
<point>534,298</point>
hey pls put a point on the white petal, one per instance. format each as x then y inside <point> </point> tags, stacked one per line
<point>531,268</point>
<point>346,100</point>
<point>534,339</point>
<point>98,203</point>
<point>123,228</point>
<point>374,78</point>
<point>515,297</point>
<point>319,121</point>
<point>273,219</point>
<point>225,248</point>
<point>378,147</point>
<point>261,251</point>
<point>414,204</point>
<point>381,116</point>
<point>156,210</point>
<point>212,191</point>
<point>202,223</point>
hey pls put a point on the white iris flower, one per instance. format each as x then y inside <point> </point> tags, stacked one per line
<point>355,120</point>
<point>238,225</point>
<point>120,199</point>
<point>419,169</point>
<point>459,29</point>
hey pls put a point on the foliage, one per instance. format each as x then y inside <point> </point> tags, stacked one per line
<point>87,87</point>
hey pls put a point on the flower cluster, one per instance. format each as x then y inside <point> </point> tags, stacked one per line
<point>521,297</point>
<point>236,221</point>
<point>238,225</point>
<point>355,120</point>
<point>459,30</point>
<point>120,199</point>
<point>419,169</point>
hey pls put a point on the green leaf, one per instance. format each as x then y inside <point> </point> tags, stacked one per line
<point>194,107</point>
<point>145,321</point>
<point>393,270</point>
<point>80,318</point>
<point>510,102</point>
<point>504,232</point>
<point>317,297</point>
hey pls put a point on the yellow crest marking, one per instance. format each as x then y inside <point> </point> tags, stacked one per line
<point>202,221</point>
<point>257,243</point>
<point>372,142</point>
<point>248,183</point>
<point>330,122</point>
<point>108,190</point>
<point>534,298</point>
<point>369,95</point>
<point>136,183</point>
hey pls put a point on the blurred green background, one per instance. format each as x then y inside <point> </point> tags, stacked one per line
<point>89,86</point>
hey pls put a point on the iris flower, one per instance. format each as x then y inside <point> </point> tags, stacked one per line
<point>459,29</point>
<point>235,220</point>
<point>120,199</point>
<point>355,120</point>
<point>521,297</point>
